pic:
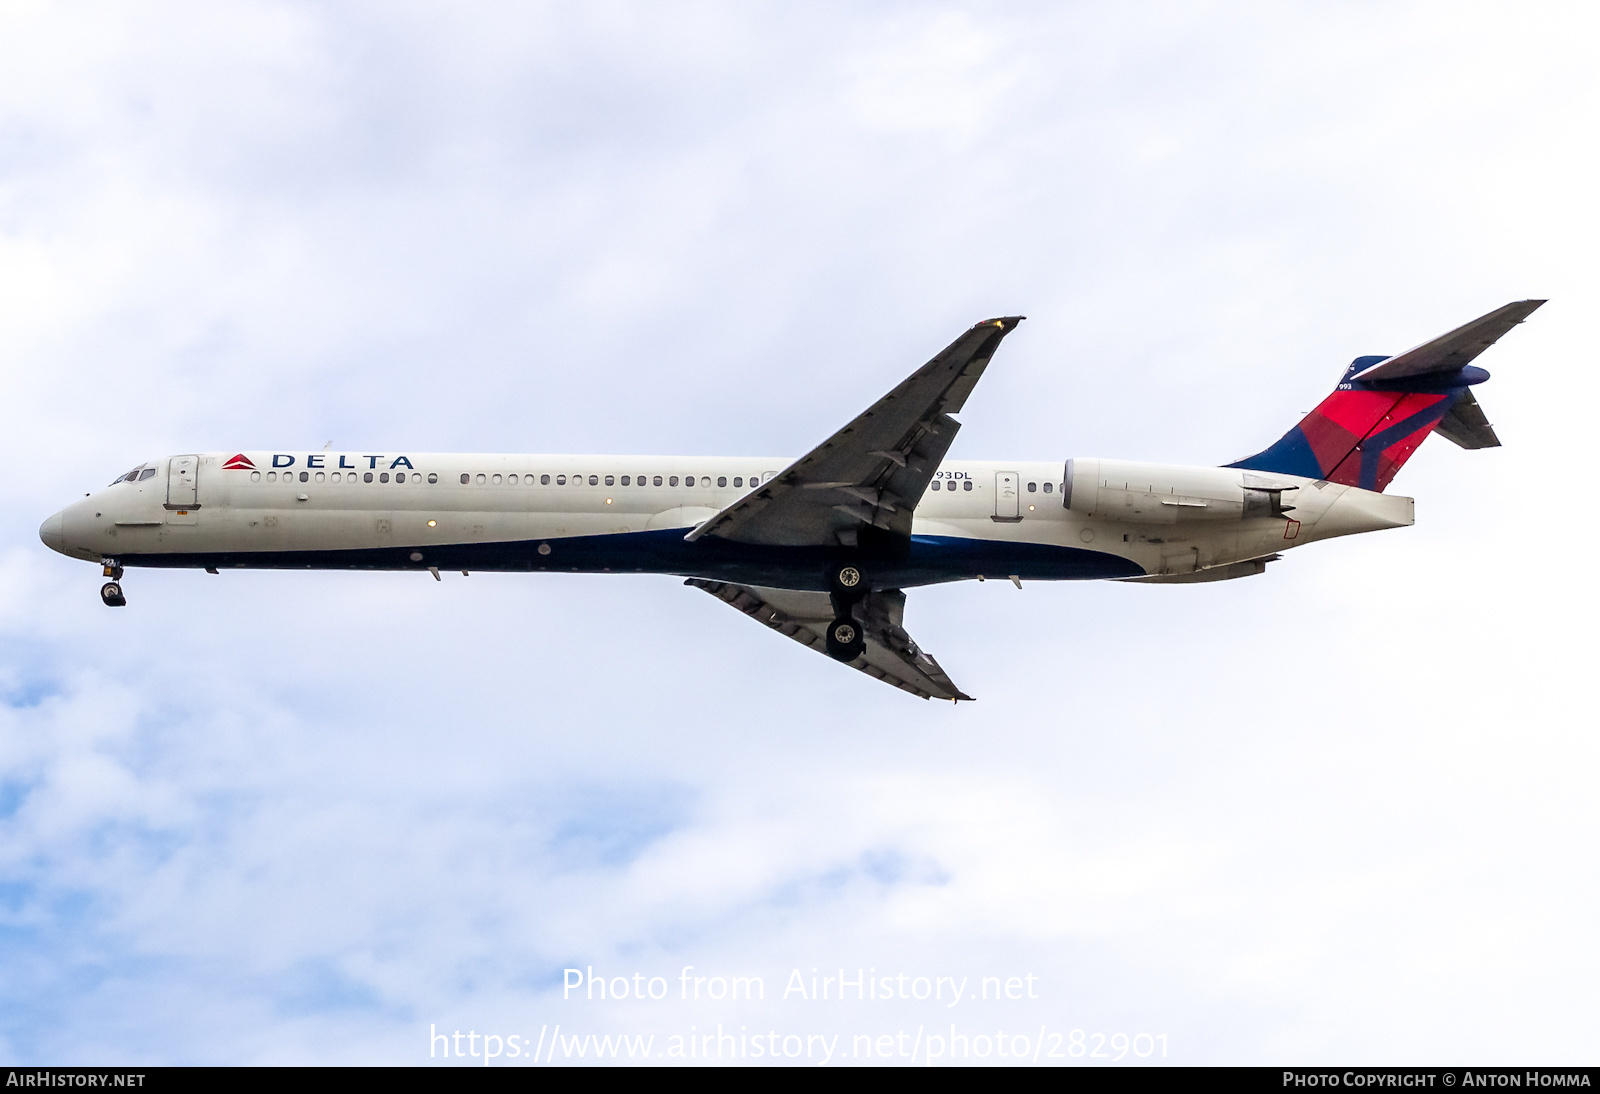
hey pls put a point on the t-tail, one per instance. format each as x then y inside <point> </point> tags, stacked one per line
<point>1385,407</point>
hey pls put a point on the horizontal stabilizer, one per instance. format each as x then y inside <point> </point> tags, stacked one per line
<point>1466,425</point>
<point>1451,351</point>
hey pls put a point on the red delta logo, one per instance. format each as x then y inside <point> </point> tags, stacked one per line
<point>241,462</point>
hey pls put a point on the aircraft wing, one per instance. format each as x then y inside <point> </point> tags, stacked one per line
<point>1450,351</point>
<point>873,471</point>
<point>890,656</point>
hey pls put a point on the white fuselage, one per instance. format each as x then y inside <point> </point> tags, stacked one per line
<point>630,513</point>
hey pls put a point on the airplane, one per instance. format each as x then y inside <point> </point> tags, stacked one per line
<point>820,548</point>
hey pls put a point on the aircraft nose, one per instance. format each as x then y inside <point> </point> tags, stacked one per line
<point>50,533</point>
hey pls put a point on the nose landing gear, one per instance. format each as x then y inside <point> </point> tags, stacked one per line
<point>111,591</point>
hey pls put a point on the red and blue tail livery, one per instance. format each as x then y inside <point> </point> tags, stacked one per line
<point>1385,407</point>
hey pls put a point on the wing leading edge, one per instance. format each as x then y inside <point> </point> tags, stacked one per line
<point>890,654</point>
<point>873,472</point>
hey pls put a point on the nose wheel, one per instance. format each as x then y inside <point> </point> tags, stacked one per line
<point>111,592</point>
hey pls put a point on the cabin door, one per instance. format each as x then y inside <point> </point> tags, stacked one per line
<point>1007,496</point>
<point>181,472</point>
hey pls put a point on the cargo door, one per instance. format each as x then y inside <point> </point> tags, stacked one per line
<point>1007,496</point>
<point>181,472</point>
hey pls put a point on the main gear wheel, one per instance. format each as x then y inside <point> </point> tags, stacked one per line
<point>845,640</point>
<point>847,582</point>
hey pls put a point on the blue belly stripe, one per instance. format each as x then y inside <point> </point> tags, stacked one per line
<point>929,560</point>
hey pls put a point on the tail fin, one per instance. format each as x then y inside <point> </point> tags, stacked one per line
<point>1385,407</point>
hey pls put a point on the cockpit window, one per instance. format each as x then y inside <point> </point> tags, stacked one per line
<point>147,473</point>
<point>130,476</point>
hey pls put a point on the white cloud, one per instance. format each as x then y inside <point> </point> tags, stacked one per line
<point>1338,812</point>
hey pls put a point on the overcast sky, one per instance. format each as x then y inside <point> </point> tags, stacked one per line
<point>1342,812</point>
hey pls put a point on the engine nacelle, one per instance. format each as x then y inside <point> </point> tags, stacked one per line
<point>1153,493</point>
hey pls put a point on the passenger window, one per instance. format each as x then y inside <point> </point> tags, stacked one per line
<point>481,480</point>
<point>495,480</point>
<point>1047,487</point>
<point>255,476</point>
<point>305,476</point>
<point>1033,487</point>
<point>512,479</point>
<point>935,484</point>
<point>272,476</point>
<point>465,479</point>
<point>383,476</point>
<point>722,480</point>
<point>594,480</point>
<point>400,476</point>
<point>737,481</point>
<point>672,480</point>
<point>561,480</point>
<point>967,485</point>
<point>544,480</point>
<point>657,480</point>
<point>624,480</point>
<point>319,476</point>
<point>433,476</point>
<point>366,477</point>
<point>611,480</point>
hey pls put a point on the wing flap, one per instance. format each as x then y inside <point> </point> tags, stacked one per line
<point>891,654</point>
<point>873,472</point>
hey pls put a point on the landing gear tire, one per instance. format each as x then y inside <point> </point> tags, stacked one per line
<point>847,581</point>
<point>111,594</point>
<point>845,640</point>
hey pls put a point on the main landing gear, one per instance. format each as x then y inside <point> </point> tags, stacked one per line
<point>845,638</point>
<point>111,591</point>
<point>847,581</point>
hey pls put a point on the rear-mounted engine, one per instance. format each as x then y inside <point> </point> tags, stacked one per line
<point>1151,493</point>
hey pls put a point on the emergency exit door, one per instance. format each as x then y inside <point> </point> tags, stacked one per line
<point>1007,496</point>
<point>181,471</point>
